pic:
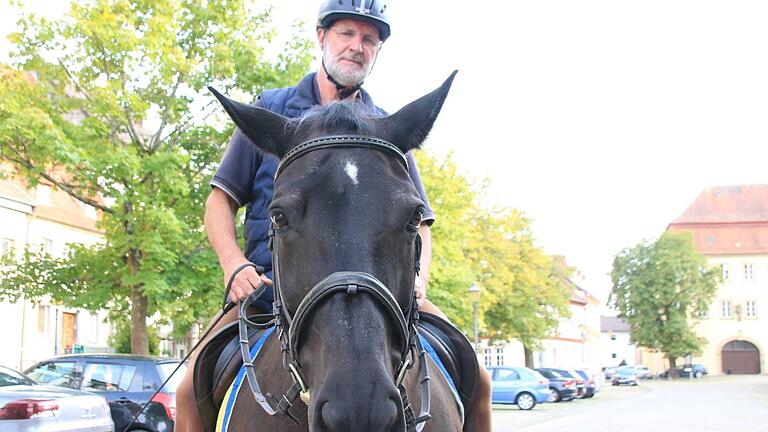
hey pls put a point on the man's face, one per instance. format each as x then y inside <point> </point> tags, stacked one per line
<point>349,50</point>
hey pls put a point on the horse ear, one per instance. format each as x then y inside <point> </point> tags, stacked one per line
<point>264,128</point>
<point>409,127</point>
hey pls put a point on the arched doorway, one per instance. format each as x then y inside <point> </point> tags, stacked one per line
<point>741,357</point>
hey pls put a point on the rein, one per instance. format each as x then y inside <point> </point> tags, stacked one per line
<point>351,283</point>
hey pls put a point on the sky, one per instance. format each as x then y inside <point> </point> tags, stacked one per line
<point>602,121</point>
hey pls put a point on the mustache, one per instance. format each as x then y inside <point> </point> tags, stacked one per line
<point>359,58</point>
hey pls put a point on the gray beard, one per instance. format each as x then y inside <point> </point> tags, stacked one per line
<point>346,76</point>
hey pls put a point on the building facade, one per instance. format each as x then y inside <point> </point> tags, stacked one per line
<point>49,219</point>
<point>730,227</point>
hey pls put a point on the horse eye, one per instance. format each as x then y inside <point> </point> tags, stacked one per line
<point>279,220</point>
<point>415,219</point>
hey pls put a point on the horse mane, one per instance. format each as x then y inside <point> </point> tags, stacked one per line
<point>342,117</point>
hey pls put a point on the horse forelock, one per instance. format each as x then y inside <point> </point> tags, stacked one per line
<point>337,117</point>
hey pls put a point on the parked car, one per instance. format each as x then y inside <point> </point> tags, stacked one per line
<point>642,372</point>
<point>685,372</point>
<point>609,372</point>
<point>561,388</point>
<point>28,406</point>
<point>590,385</point>
<point>624,375</point>
<point>698,371</point>
<point>127,382</point>
<point>518,385</point>
<point>577,379</point>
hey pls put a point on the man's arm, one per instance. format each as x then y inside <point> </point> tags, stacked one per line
<point>422,279</point>
<point>220,211</point>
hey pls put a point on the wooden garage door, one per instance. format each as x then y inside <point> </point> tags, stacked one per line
<point>741,357</point>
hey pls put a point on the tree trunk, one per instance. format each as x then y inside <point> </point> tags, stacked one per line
<point>528,357</point>
<point>139,302</point>
<point>672,374</point>
<point>139,334</point>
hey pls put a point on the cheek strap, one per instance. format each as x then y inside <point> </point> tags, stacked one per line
<point>417,253</point>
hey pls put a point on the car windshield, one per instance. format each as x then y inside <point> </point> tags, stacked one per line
<point>9,377</point>
<point>166,369</point>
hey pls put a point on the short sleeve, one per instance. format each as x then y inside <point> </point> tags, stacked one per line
<point>413,171</point>
<point>238,168</point>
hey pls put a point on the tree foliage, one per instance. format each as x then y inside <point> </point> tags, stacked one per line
<point>661,288</point>
<point>118,117</point>
<point>523,290</point>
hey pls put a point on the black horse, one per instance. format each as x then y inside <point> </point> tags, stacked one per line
<point>345,216</point>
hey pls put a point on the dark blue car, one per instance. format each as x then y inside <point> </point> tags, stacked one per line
<point>590,386</point>
<point>561,387</point>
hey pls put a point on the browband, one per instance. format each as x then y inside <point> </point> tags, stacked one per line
<point>337,141</point>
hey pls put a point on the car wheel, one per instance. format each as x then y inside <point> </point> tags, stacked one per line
<point>525,401</point>
<point>554,395</point>
<point>697,374</point>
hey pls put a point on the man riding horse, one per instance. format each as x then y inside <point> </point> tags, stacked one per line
<point>350,34</point>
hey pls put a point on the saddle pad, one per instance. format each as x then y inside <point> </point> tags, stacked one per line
<point>217,365</point>
<point>225,412</point>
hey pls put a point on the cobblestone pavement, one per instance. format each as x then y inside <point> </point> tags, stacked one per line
<point>722,403</point>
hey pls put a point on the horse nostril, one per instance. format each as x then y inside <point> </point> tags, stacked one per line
<point>332,417</point>
<point>374,416</point>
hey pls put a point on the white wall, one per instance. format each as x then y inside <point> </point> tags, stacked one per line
<point>613,351</point>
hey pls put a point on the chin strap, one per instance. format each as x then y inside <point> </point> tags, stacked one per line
<point>344,91</point>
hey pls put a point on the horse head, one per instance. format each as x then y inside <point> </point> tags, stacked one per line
<point>345,216</point>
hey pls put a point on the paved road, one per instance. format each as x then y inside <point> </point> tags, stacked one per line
<point>726,403</point>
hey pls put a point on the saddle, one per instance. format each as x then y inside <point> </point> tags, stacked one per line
<point>219,362</point>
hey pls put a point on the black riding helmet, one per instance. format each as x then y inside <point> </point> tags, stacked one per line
<point>372,11</point>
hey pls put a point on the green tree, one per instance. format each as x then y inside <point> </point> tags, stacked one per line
<point>661,288</point>
<point>452,272</point>
<point>121,338</point>
<point>524,293</point>
<point>119,118</point>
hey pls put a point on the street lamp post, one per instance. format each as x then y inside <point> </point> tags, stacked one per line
<point>474,296</point>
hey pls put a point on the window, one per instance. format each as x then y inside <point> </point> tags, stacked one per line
<point>7,246</point>
<point>748,272</point>
<point>48,246</point>
<point>704,314</point>
<point>166,369</point>
<point>60,374</point>
<point>499,356</point>
<point>613,355</point>
<point>506,375</point>
<point>107,377</point>
<point>42,319</point>
<point>613,337</point>
<point>751,309</point>
<point>726,271</point>
<point>726,309</point>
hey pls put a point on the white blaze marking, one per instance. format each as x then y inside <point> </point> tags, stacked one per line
<point>351,171</point>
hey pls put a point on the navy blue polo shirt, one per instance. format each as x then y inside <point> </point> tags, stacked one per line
<point>247,175</point>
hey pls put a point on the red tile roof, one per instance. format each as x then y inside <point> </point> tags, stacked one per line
<point>728,220</point>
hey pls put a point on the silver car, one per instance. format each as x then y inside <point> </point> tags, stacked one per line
<point>26,406</point>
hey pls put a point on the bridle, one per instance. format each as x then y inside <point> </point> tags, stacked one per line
<point>289,326</point>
